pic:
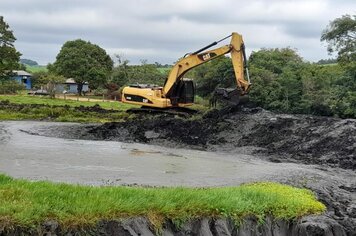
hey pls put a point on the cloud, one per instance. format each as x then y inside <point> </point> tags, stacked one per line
<point>164,30</point>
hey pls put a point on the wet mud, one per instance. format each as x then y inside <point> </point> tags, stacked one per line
<point>329,143</point>
<point>298,138</point>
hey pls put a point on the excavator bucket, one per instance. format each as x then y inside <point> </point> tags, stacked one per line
<point>228,97</point>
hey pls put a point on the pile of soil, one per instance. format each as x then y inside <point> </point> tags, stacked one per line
<point>298,138</point>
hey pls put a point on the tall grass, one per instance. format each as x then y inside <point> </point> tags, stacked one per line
<point>28,203</point>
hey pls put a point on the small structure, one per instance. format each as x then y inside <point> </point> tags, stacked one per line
<point>70,86</point>
<point>23,77</point>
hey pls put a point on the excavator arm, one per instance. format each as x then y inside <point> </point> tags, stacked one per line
<point>237,50</point>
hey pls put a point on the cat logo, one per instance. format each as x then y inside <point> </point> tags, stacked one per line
<point>206,56</point>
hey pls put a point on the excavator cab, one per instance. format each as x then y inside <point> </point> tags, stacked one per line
<point>184,92</point>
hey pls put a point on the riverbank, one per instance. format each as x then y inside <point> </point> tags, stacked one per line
<point>328,143</point>
<point>30,203</point>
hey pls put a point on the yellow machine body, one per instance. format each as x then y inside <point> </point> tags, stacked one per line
<point>180,92</point>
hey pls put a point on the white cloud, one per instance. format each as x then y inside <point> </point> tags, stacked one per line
<point>163,30</point>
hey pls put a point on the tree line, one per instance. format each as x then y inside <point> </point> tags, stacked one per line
<point>282,80</point>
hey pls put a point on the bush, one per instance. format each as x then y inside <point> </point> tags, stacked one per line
<point>10,87</point>
<point>99,92</point>
<point>115,95</point>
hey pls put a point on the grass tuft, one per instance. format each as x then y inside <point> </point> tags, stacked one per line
<point>29,203</point>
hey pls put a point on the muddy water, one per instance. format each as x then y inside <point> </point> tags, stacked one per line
<point>26,154</point>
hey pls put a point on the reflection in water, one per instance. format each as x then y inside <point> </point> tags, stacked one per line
<point>138,152</point>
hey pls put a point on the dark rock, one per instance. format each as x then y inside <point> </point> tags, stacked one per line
<point>140,226</point>
<point>318,226</point>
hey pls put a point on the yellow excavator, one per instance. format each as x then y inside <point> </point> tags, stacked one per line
<point>179,92</point>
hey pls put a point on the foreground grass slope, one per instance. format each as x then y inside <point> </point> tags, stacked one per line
<point>28,203</point>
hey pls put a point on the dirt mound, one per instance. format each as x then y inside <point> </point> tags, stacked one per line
<point>309,139</point>
<point>302,138</point>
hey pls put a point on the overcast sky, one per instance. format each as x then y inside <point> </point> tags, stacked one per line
<point>164,30</point>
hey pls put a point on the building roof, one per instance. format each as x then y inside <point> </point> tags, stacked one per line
<point>72,81</point>
<point>21,73</point>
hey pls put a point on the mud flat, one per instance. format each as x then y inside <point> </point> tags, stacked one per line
<point>25,153</point>
<point>301,138</point>
<point>326,147</point>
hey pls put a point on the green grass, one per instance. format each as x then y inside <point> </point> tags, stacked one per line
<point>29,203</point>
<point>60,110</point>
<point>51,111</point>
<point>62,114</point>
<point>164,70</point>
<point>330,64</point>
<point>38,68</point>
<point>29,99</point>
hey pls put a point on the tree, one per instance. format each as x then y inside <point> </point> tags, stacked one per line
<point>84,62</point>
<point>9,57</point>
<point>119,74</point>
<point>124,74</point>
<point>29,62</point>
<point>47,80</point>
<point>275,59</point>
<point>213,74</point>
<point>276,79</point>
<point>340,35</point>
<point>52,81</point>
